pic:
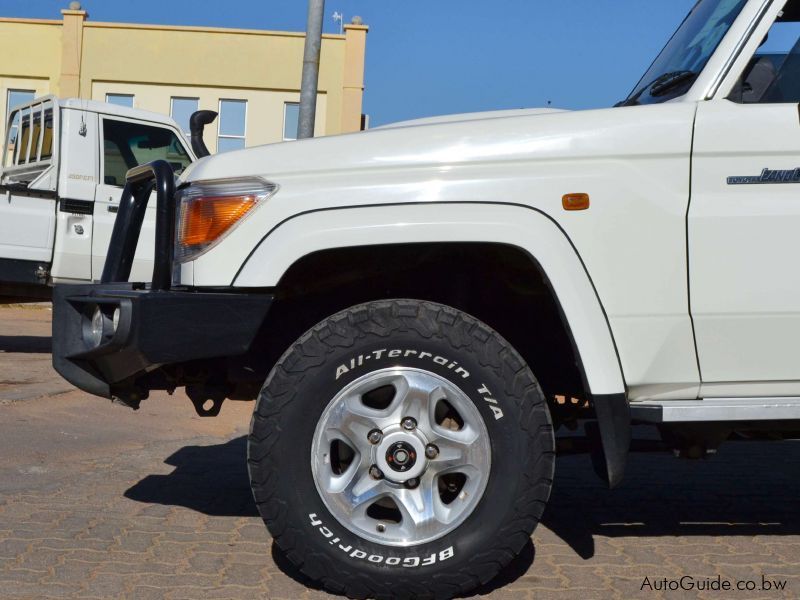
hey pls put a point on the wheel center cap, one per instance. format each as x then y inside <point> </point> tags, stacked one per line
<point>401,457</point>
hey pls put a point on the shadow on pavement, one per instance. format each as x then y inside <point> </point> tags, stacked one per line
<point>749,488</point>
<point>33,344</point>
<point>212,480</point>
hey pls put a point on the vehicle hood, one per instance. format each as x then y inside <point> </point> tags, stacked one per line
<point>475,116</point>
<point>443,139</point>
<point>456,141</point>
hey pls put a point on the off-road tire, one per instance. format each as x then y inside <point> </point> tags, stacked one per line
<point>304,381</point>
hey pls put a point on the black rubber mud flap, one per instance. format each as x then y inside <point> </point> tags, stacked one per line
<point>614,424</point>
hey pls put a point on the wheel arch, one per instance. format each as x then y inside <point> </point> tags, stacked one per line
<point>523,228</point>
<point>300,250</point>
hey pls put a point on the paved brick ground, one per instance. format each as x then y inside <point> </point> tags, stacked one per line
<point>98,501</point>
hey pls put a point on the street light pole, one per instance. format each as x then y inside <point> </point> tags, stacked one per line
<point>310,81</point>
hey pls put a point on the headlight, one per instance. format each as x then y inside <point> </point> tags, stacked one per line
<point>208,211</point>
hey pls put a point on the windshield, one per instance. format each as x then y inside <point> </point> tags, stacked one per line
<point>686,54</point>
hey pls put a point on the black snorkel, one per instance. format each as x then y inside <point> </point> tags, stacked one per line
<point>197,123</point>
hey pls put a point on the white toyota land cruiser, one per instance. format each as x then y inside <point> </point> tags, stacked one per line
<point>424,306</point>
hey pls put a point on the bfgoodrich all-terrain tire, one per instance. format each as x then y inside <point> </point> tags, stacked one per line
<point>401,449</point>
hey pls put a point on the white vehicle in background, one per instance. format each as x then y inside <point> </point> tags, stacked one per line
<point>63,170</point>
<point>420,309</point>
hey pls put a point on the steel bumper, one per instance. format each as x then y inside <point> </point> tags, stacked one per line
<point>153,328</point>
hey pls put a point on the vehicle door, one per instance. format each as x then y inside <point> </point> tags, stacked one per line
<point>744,220</point>
<point>124,144</point>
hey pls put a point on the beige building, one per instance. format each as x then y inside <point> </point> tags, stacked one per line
<point>251,77</point>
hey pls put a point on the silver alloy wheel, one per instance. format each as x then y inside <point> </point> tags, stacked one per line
<point>401,456</point>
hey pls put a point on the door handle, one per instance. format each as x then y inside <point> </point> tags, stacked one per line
<point>113,208</point>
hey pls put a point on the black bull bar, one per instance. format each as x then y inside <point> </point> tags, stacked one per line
<point>107,337</point>
<point>140,182</point>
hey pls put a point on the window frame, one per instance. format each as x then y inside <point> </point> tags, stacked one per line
<point>220,135</point>
<point>285,106</point>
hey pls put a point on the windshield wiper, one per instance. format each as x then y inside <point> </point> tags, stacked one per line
<point>671,81</point>
<point>660,86</point>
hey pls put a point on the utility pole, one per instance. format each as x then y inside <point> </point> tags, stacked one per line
<point>310,81</point>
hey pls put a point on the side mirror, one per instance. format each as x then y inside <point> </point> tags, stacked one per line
<point>197,123</point>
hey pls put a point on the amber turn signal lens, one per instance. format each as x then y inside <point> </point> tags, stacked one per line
<point>206,218</point>
<point>208,210</point>
<point>575,201</point>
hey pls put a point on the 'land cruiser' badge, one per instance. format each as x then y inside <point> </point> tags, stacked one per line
<point>767,176</point>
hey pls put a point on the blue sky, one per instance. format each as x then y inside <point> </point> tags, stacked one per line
<point>430,57</point>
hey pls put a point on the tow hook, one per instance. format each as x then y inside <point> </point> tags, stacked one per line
<point>207,399</point>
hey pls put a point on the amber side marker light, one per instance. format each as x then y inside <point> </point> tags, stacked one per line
<point>575,201</point>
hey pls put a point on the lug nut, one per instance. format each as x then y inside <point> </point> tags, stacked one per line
<point>375,436</point>
<point>409,424</point>
<point>375,472</point>
<point>431,451</point>
<point>412,483</point>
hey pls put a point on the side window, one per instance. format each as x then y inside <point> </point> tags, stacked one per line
<point>773,74</point>
<point>127,145</point>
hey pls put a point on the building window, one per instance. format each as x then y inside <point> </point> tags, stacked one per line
<point>120,99</point>
<point>181,109</point>
<point>291,116</point>
<point>232,125</point>
<point>15,98</point>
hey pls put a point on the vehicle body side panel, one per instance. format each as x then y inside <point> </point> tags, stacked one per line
<point>634,163</point>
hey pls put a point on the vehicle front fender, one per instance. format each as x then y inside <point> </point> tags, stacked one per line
<point>521,226</point>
